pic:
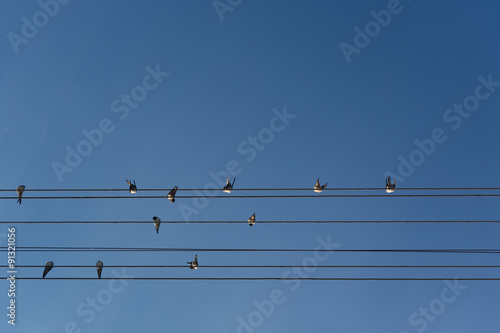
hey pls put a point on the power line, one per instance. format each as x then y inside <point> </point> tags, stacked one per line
<point>245,222</point>
<point>261,196</point>
<point>262,189</point>
<point>262,278</point>
<point>157,249</point>
<point>263,266</point>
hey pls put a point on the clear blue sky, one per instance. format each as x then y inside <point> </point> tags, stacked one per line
<point>353,120</point>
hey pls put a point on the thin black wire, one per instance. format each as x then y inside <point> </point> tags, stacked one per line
<point>245,222</point>
<point>141,249</point>
<point>264,189</point>
<point>262,266</point>
<point>262,278</point>
<point>262,196</point>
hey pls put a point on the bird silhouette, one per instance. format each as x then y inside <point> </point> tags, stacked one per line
<point>229,186</point>
<point>251,220</point>
<point>389,188</point>
<point>193,264</point>
<point>171,194</point>
<point>20,191</point>
<point>48,267</point>
<point>99,265</point>
<point>132,186</point>
<point>319,188</point>
<point>157,222</point>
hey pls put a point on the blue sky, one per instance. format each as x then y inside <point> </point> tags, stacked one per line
<point>349,123</point>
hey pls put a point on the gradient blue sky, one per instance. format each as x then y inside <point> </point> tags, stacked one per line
<point>353,121</point>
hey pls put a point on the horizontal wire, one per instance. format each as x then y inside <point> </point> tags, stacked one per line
<point>262,278</point>
<point>263,196</point>
<point>140,249</point>
<point>262,189</point>
<point>262,266</point>
<point>245,222</point>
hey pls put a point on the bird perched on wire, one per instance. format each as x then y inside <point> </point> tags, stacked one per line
<point>48,267</point>
<point>251,220</point>
<point>20,191</point>
<point>319,188</point>
<point>389,188</point>
<point>171,194</point>
<point>193,264</point>
<point>157,222</point>
<point>99,266</point>
<point>228,186</point>
<point>132,187</point>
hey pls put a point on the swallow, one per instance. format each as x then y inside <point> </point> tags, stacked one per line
<point>20,191</point>
<point>48,267</point>
<point>132,188</point>
<point>99,265</point>
<point>193,264</point>
<point>157,222</point>
<point>251,220</point>
<point>319,188</point>
<point>171,194</point>
<point>389,188</point>
<point>228,186</point>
